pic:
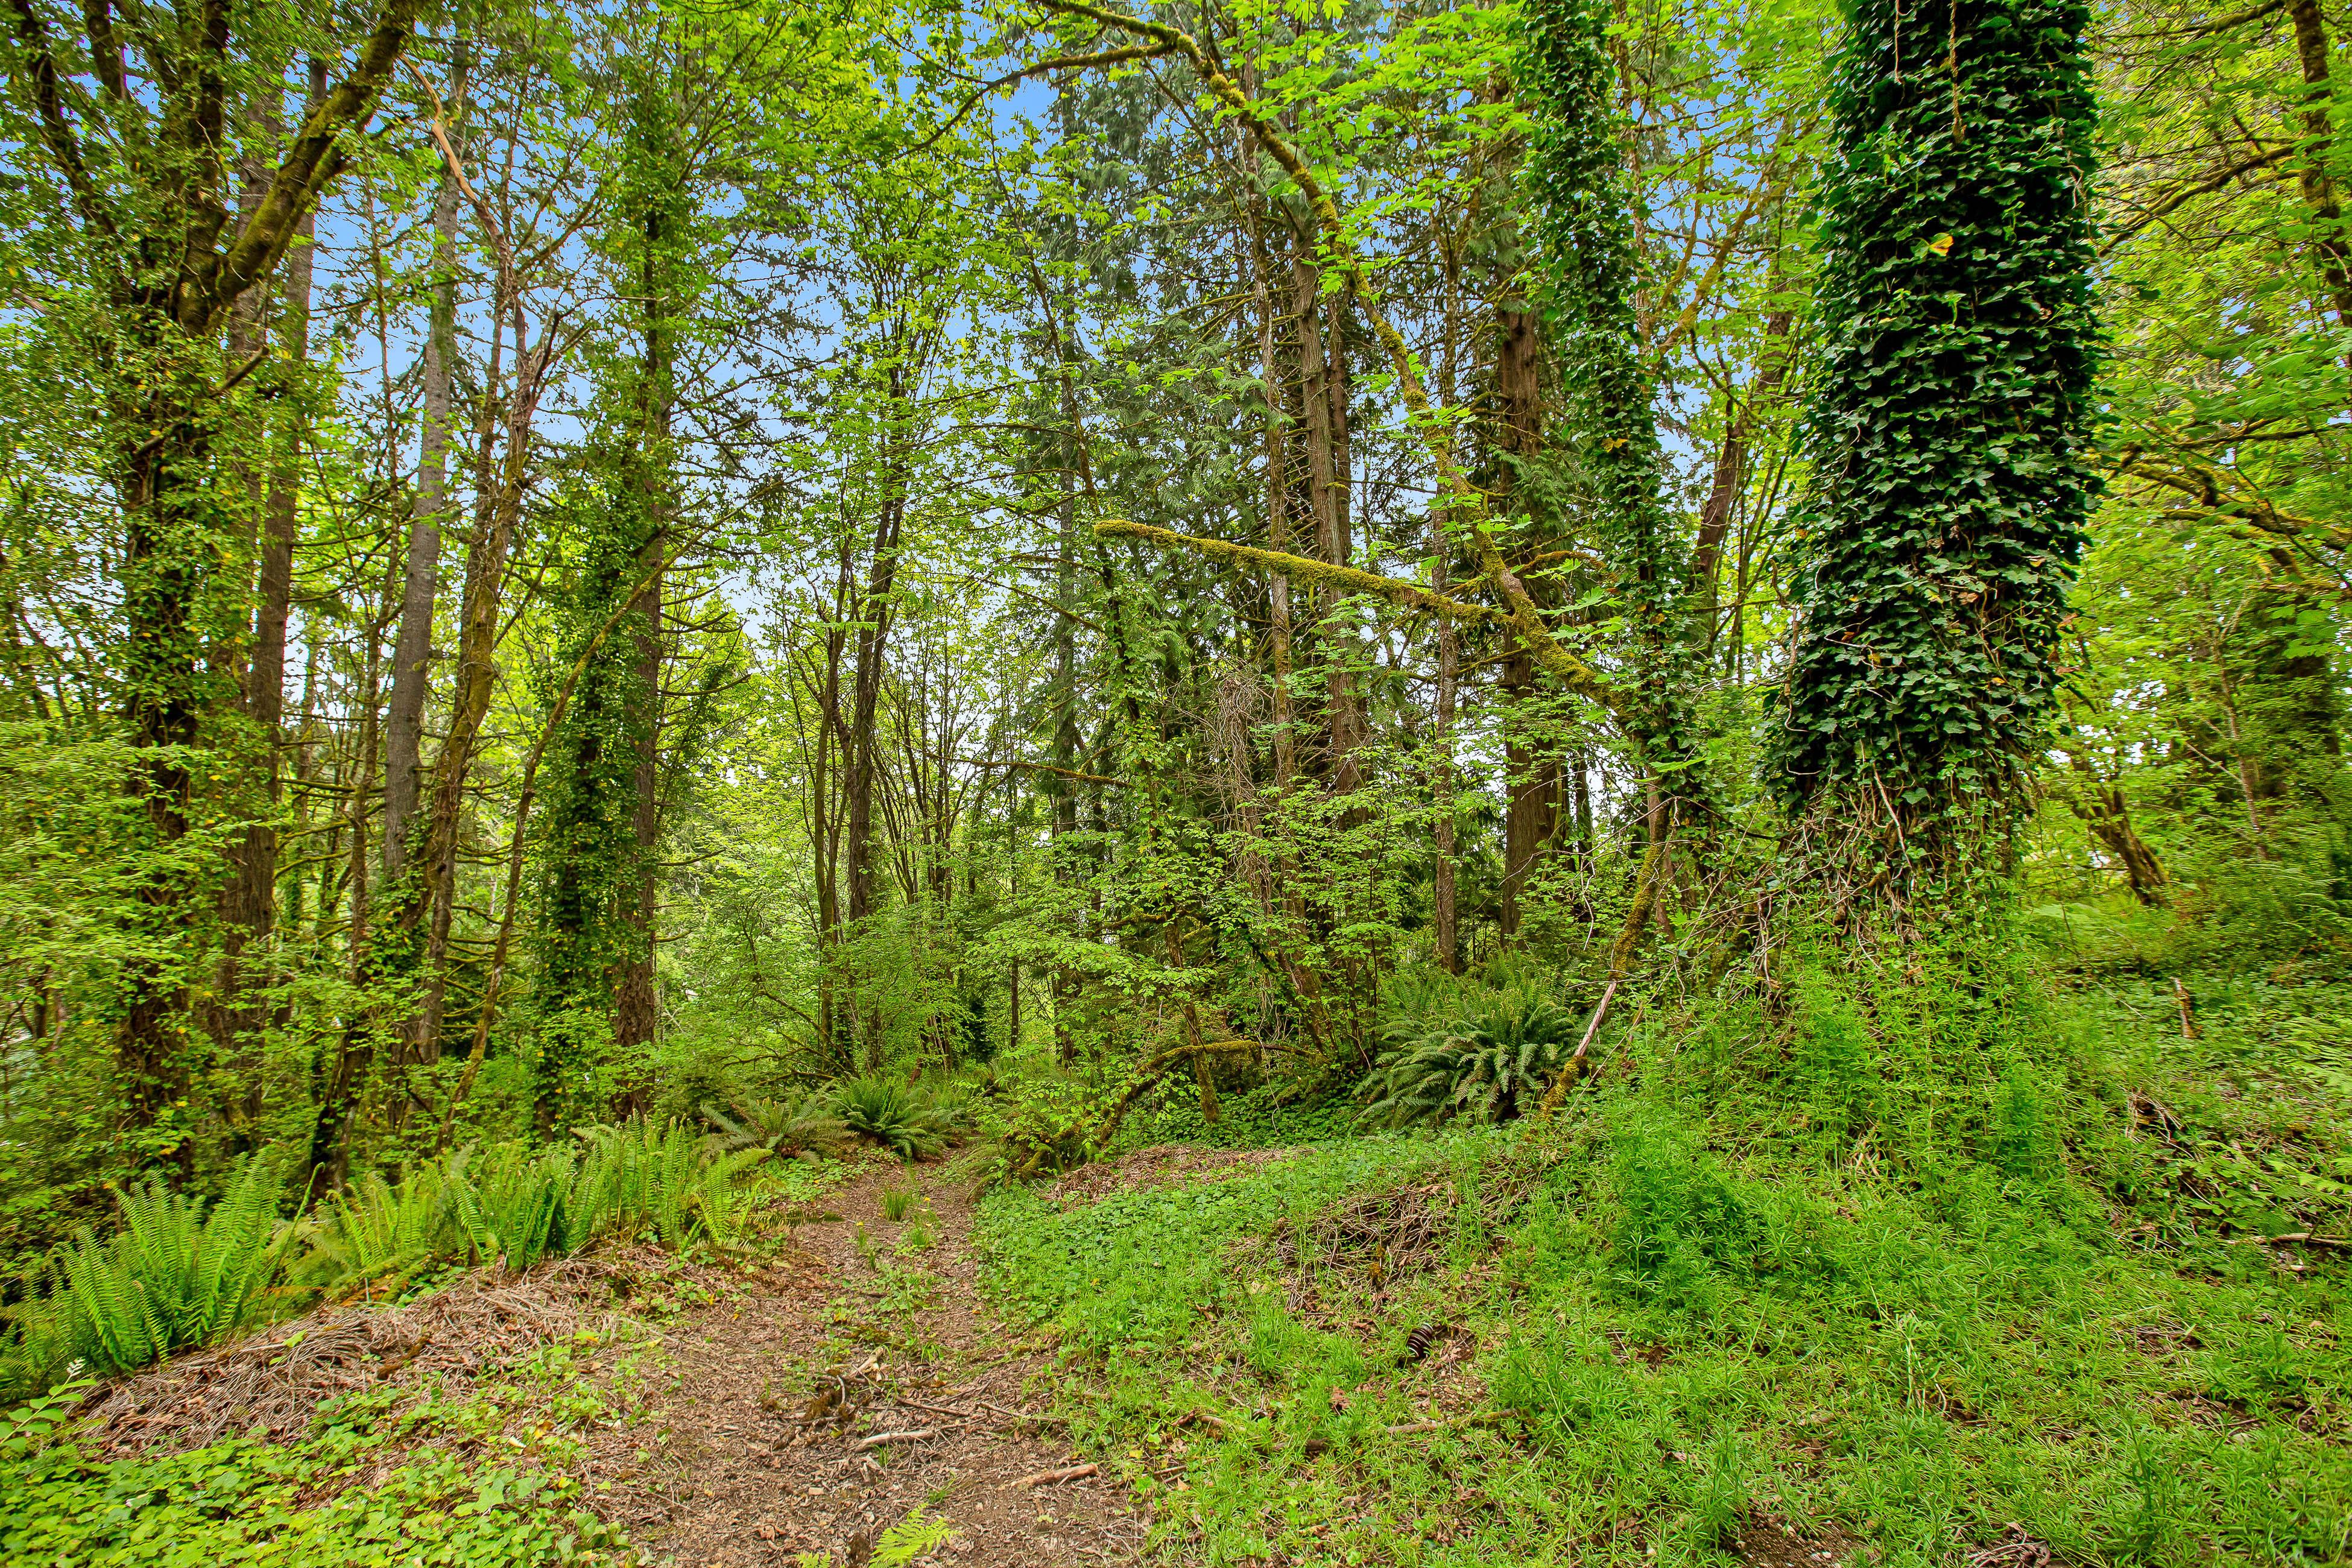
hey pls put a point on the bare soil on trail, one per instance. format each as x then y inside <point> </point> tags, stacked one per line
<point>856,1378</point>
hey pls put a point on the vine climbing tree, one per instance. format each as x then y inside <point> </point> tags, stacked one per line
<point>1947,426</point>
<point>1581,212</point>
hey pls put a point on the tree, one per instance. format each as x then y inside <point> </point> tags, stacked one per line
<point>1947,431</point>
<point>146,176</point>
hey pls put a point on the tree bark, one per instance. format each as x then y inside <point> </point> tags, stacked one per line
<point>1731,471</point>
<point>873,618</point>
<point>637,1011</point>
<point>250,903</point>
<point>2310,48</point>
<point>421,580</point>
<point>1531,770</point>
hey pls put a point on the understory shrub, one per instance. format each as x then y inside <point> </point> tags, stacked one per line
<point>911,1119</point>
<point>783,1127</point>
<point>174,1276</point>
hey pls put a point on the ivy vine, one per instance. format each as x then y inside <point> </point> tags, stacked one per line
<point>1948,418</point>
<point>1580,197</point>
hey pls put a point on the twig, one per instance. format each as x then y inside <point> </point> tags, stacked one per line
<point>2302,1236</point>
<point>884,1439</point>
<point>937,1409</point>
<point>1048,1478</point>
<point>1018,1416</point>
<point>1403,1428</point>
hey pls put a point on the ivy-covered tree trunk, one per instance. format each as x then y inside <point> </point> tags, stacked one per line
<point>1947,425</point>
<point>599,1007</point>
<point>1582,200</point>
<point>135,137</point>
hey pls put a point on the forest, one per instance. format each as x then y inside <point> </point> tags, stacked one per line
<point>1420,782</point>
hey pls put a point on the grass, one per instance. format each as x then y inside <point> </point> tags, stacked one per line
<point>1928,1266</point>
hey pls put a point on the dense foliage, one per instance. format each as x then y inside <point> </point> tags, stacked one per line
<point>1950,427</point>
<point>1719,623</point>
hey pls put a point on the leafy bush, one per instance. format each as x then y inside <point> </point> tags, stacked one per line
<point>372,1229</point>
<point>1485,1063</point>
<point>180,1274</point>
<point>513,1212</point>
<point>646,1176</point>
<point>897,1116</point>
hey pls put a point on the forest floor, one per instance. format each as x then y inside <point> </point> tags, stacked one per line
<point>794,1402</point>
<point>1606,1340</point>
<point>856,1380</point>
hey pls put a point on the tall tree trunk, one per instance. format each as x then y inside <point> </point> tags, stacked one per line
<point>2310,48</point>
<point>1322,396</point>
<point>1446,933</point>
<point>824,833</point>
<point>1531,769</point>
<point>1731,475</point>
<point>865,691</point>
<point>636,1005</point>
<point>421,580</point>
<point>250,903</point>
<point>1065,796</point>
<point>412,938</point>
<point>339,1080</point>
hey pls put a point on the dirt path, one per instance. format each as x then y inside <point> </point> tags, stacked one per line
<point>764,1417</point>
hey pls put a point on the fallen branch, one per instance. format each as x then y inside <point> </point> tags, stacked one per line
<point>937,1409</point>
<point>1575,1064</point>
<point>1020,1415</point>
<point>884,1439</point>
<point>1405,1428</point>
<point>1049,1478</point>
<point>2302,1236</point>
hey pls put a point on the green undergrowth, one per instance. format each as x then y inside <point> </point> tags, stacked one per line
<point>483,1472</point>
<point>477,1475</point>
<point>1904,1261</point>
<point>1256,1119</point>
<point>178,1273</point>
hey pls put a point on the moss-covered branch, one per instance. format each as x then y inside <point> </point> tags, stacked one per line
<point>1346,579</point>
<point>1466,503</point>
<point>1573,672</point>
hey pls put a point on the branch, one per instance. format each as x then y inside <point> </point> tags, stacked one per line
<point>1467,501</point>
<point>2188,194</point>
<point>105,49</point>
<point>1104,779</point>
<point>2205,29</point>
<point>1393,589</point>
<point>1059,62</point>
<point>1582,679</point>
<point>314,159</point>
<point>57,130</point>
